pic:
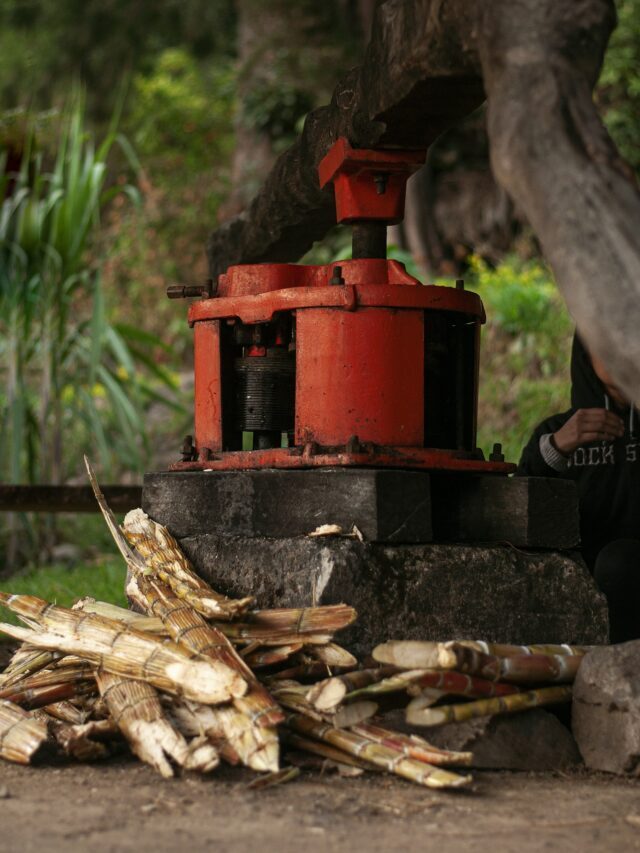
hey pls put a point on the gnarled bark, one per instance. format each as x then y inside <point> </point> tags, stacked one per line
<point>418,77</point>
<point>424,68</point>
<point>549,149</point>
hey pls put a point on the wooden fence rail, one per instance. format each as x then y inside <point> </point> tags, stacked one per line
<point>66,498</point>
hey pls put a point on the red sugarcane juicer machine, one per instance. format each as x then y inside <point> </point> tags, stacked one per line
<point>354,363</point>
<point>343,399</point>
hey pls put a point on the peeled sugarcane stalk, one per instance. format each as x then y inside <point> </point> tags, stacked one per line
<point>172,567</point>
<point>350,715</point>
<point>39,697</point>
<point>282,623</point>
<point>256,747</point>
<point>148,624</point>
<point>188,628</point>
<point>414,747</point>
<point>325,750</point>
<point>77,740</point>
<point>438,682</point>
<point>164,558</point>
<point>26,661</point>
<point>328,694</point>
<point>425,697</point>
<point>292,695</point>
<point>66,712</point>
<point>460,684</point>
<point>134,561</point>
<point>503,650</point>
<point>21,735</point>
<point>80,671</point>
<point>391,760</point>
<point>333,656</point>
<point>136,709</point>
<point>123,651</point>
<point>273,641</point>
<point>523,669</point>
<point>540,668</point>
<point>488,707</point>
<point>268,657</point>
<point>250,729</point>
<point>193,719</point>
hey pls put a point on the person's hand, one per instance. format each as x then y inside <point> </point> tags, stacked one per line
<point>588,425</point>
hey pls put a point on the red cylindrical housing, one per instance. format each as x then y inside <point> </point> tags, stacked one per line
<point>360,373</point>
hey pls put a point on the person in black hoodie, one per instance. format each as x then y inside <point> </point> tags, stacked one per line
<point>596,443</point>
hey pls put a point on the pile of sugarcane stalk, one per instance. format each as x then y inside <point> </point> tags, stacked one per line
<point>191,677</point>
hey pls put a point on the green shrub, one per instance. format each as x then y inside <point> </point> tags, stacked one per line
<point>72,381</point>
<point>524,365</point>
<point>182,111</point>
<point>618,91</point>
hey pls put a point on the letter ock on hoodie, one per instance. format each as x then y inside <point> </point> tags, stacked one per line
<point>607,473</point>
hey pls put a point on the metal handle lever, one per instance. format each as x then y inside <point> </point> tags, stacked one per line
<point>186,291</point>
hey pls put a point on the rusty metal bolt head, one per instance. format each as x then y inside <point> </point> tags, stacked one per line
<point>496,454</point>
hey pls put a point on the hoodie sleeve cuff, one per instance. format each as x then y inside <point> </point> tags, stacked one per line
<point>551,454</point>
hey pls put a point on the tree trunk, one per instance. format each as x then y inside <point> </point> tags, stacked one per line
<point>551,152</point>
<point>422,71</point>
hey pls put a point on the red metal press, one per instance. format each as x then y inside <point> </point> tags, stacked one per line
<point>354,363</point>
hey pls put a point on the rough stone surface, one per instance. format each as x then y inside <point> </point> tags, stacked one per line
<point>413,591</point>
<point>532,740</point>
<point>529,512</point>
<point>385,505</point>
<point>606,708</point>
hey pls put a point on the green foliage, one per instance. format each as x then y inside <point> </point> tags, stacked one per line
<point>290,62</point>
<point>46,44</point>
<point>523,297</point>
<point>618,93</point>
<point>524,369</point>
<point>72,380</point>
<point>183,111</point>
<point>64,585</point>
<point>275,107</point>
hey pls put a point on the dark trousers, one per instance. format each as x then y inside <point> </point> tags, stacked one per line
<point>617,573</point>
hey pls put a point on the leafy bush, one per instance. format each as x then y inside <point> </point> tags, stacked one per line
<point>524,366</point>
<point>182,111</point>
<point>618,92</point>
<point>71,382</point>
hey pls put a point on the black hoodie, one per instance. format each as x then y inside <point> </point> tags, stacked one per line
<point>607,473</point>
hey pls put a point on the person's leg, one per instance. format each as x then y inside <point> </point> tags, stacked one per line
<point>617,573</point>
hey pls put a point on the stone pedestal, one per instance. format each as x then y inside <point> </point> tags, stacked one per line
<point>427,592</point>
<point>245,532</point>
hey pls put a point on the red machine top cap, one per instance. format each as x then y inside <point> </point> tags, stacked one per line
<point>368,184</point>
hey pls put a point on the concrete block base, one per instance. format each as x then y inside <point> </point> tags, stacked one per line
<point>428,591</point>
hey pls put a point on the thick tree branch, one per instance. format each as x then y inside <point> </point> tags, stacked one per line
<point>420,74</point>
<point>549,149</point>
<point>540,60</point>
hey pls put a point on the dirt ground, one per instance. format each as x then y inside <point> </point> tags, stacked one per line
<point>123,806</point>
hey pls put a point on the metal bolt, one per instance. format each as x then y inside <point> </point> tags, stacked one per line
<point>188,291</point>
<point>310,448</point>
<point>497,455</point>
<point>380,180</point>
<point>188,450</point>
<point>337,276</point>
<point>353,444</point>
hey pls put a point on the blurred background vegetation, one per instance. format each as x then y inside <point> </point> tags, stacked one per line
<point>127,132</point>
